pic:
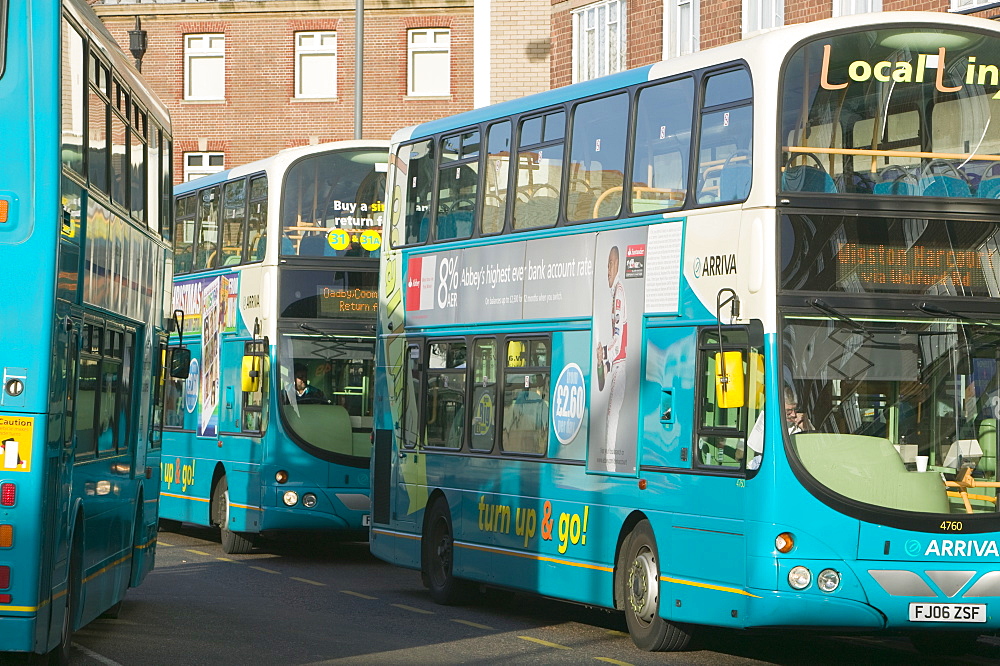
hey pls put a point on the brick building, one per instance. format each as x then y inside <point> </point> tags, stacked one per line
<point>245,79</point>
<point>590,38</point>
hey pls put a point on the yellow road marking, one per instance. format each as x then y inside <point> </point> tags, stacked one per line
<point>225,559</point>
<point>415,610</point>
<point>474,624</point>
<point>306,580</point>
<point>164,543</point>
<point>615,632</point>
<point>271,571</point>
<point>197,552</point>
<point>357,594</point>
<point>545,643</point>
<point>613,661</point>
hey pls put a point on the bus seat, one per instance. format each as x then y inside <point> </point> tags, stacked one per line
<point>897,181</point>
<point>536,212</point>
<point>313,246</point>
<point>734,181</point>
<point>943,185</point>
<point>807,178</point>
<point>231,260</point>
<point>989,186</point>
<point>869,469</point>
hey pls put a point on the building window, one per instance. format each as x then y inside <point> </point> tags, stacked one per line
<point>598,40</point>
<point>429,63</point>
<point>849,7</point>
<point>197,165</point>
<point>205,67</point>
<point>316,64</point>
<point>962,5</point>
<point>682,28</point>
<point>762,15</point>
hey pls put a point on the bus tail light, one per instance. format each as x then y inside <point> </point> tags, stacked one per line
<point>6,536</point>
<point>8,492</point>
<point>4,578</point>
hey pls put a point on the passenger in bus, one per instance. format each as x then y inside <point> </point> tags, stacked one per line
<point>796,419</point>
<point>526,422</point>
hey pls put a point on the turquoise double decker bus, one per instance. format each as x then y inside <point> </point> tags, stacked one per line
<point>711,342</point>
<point>84,233</point>
<point>276,272</point>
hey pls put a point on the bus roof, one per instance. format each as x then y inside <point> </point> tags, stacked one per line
<point>760,50</point>
<point>279,161</point>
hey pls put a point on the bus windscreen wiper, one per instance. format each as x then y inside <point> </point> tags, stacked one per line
<point>826,308</point>
<point>312,329</point>
<point>938,311</point>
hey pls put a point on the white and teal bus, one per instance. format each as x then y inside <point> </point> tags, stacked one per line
<point>276,272</point>
<point>84,240</point>
<point>712,342</point>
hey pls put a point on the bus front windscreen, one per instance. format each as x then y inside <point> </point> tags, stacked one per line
<point>325,391</point>
<point>332,204</point>
<point>901,111</point>
<point>898,413</point>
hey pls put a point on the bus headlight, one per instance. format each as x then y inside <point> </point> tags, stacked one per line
<point>290,498</point>
<point>799,578</point>
<point>308,500</point>
<point>828,580</point>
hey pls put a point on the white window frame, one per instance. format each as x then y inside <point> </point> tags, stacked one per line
<point>968,5</point>
<point>682,34</point>
<point>852,7</point>
<point>592,56</point>
<point>318,46</point>
<point>760,15</point>
<point>203,166</point>
<point>429,46</point>
<point>209,49</point>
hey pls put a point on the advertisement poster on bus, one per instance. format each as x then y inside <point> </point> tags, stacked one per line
<point>618,306</point>
<point>210,309</point>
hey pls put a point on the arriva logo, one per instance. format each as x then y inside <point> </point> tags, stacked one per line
<point>715,265</point>
<point>953,548</point>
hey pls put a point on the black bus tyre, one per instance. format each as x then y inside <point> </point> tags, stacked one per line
<point>639,563</point>
<point>437,558</point>
<point>233,543</point>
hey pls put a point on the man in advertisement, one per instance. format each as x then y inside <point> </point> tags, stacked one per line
<point>611,358</point>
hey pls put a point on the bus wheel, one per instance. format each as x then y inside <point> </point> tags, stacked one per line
<point>437,554</point>
<point>233,543</point>
<point>940,643</point>
<point>640,564</point>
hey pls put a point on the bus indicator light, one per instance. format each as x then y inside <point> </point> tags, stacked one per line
<point>642,484</point>
<point>6,536</point>
<point>8,493</point>
<point>784,542</point>
<point>4,210</point>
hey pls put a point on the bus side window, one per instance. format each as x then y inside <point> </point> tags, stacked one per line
<point>597,159</point>
<point>721,430</point>
<point>444,408</point>
<point>206,248</point>
<point>419,158</point>
<point>725,140</point>
<point>662,146</point>
<point>458,181</point>
<point>253,407</point>
<point>539,171</point>
<point>184,233</point>
<point>257,220</point>
<point>496,178</point>
<point>234,208</point>
<point>526,397</point>
<point>412,392</point>
<point>482,429</point>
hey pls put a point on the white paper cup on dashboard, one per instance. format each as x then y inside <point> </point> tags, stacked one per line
<point>922,463</point>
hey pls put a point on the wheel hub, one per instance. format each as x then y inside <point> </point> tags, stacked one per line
<point>643,586</point>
